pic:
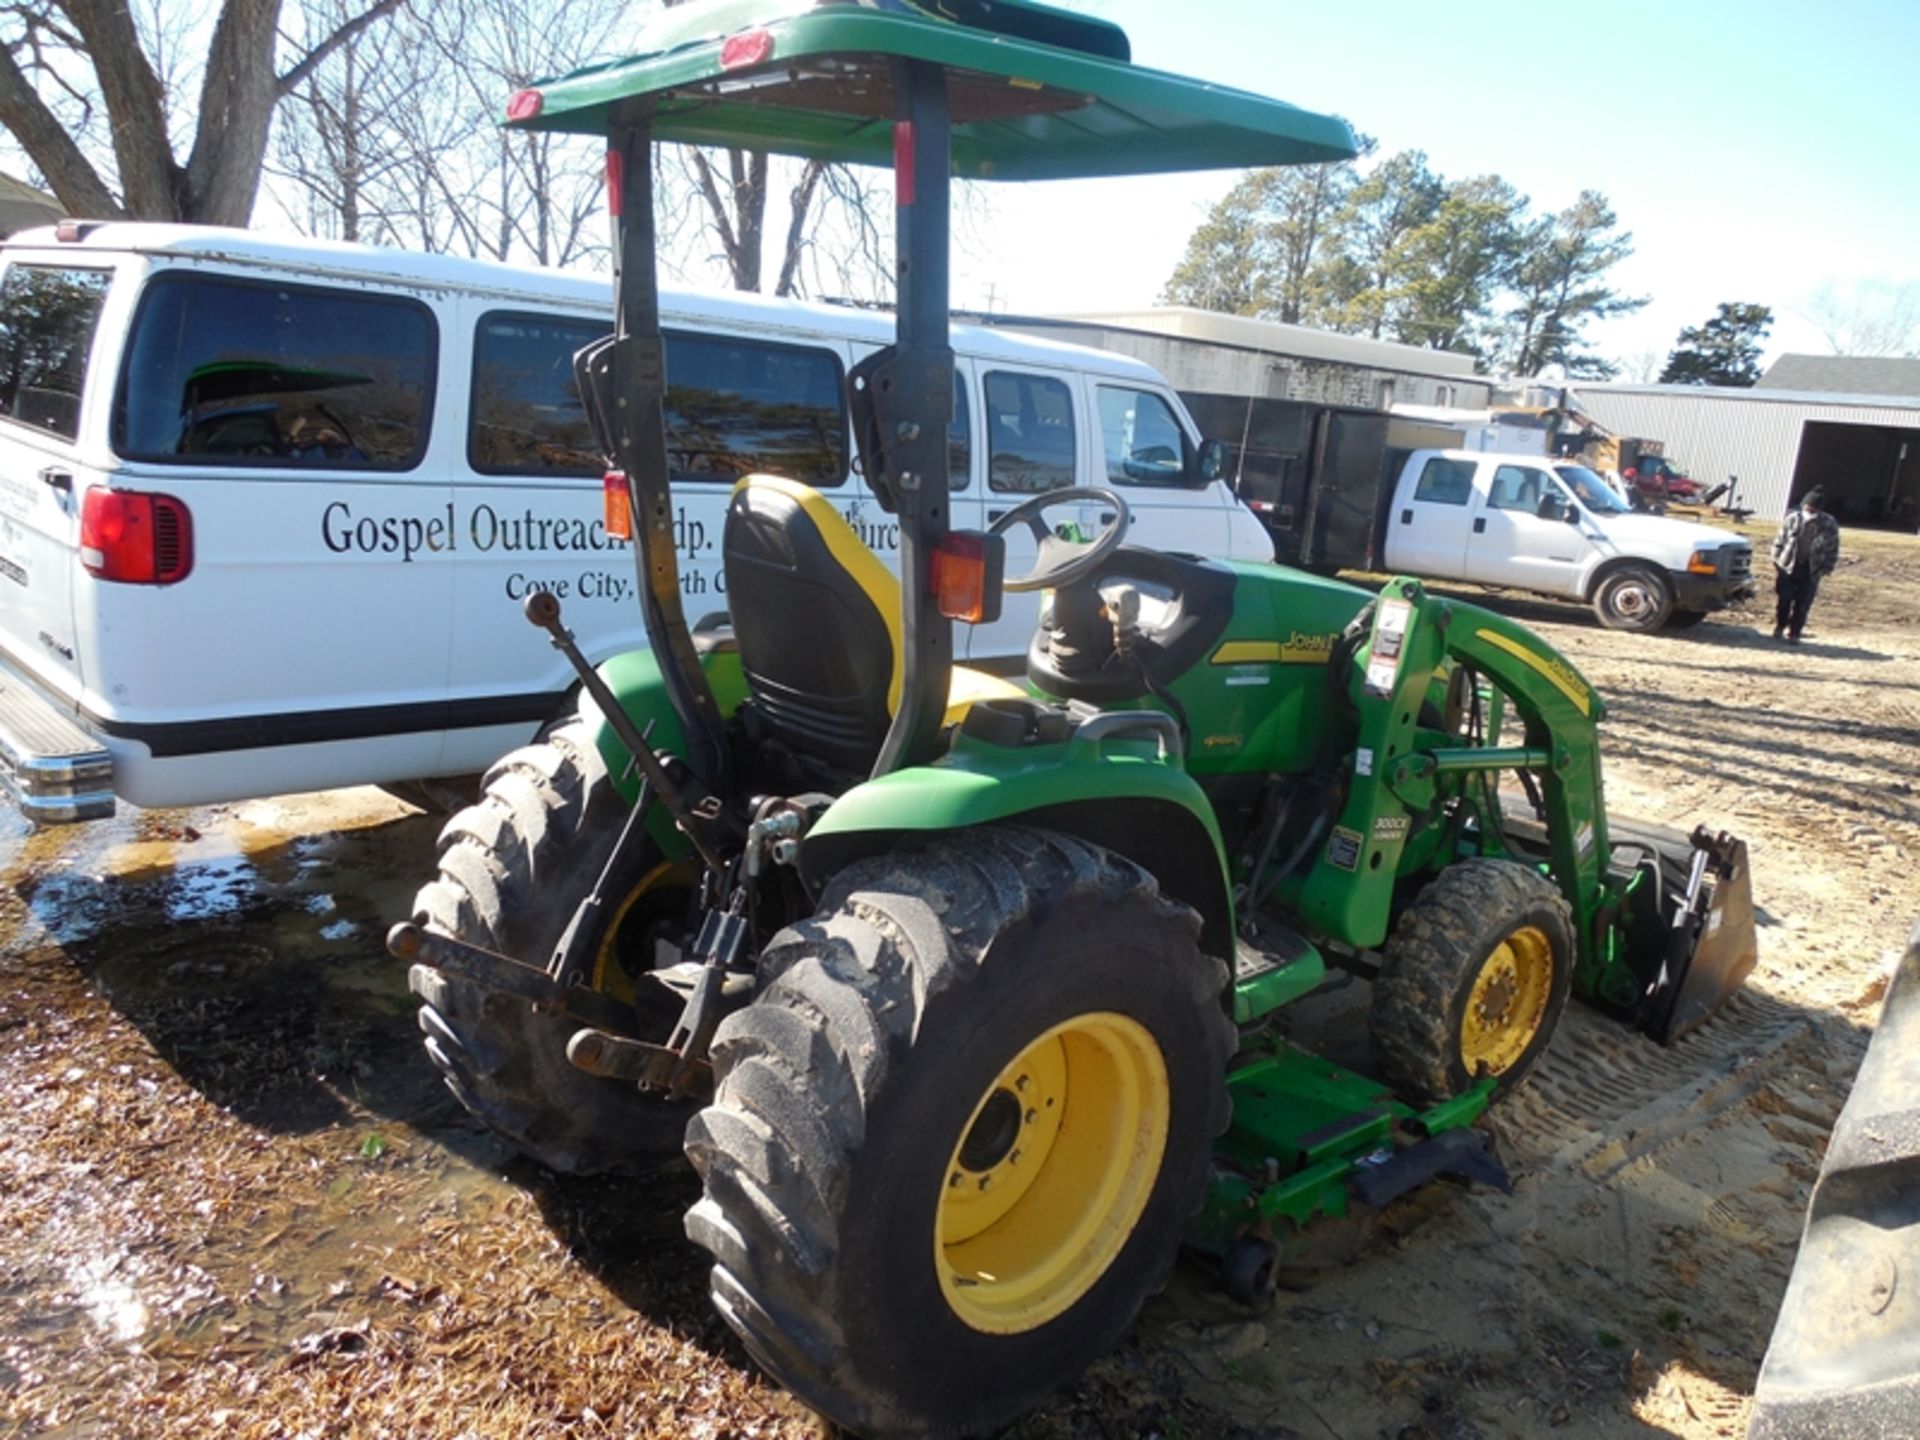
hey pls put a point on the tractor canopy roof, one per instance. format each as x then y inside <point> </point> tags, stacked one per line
<point>1036,93</point>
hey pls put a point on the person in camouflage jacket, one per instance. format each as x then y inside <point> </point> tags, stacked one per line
<point>1804,553</point>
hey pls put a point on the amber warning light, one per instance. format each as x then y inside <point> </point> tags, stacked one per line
<point>619,518</point>
<point>967,569</point>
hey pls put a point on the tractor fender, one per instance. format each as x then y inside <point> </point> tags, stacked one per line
<point>1122,799</point>
<point>1843,1356</point>
<point>636,682</point>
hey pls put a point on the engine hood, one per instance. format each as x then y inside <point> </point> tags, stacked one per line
<point>1658,535</point>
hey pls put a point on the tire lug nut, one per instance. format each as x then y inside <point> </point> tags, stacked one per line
<point>953,1180</point>
<point>985,1181</point>
<point>1032,1115</point>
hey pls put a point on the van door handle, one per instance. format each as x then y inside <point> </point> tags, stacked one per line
<point>1480,526</point>
<point>994,515</point>
<point>1406,517</point>
<point>59,479</point>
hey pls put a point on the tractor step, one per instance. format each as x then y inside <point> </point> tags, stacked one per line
<point>1276,967</point>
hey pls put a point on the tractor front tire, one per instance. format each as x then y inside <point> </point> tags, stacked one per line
<point>513,869</point>
<point>959,1133</point>
<point>1633,597</point>
<point>1472,981</point>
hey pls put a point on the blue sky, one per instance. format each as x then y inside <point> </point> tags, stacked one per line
<point>1755,150</point>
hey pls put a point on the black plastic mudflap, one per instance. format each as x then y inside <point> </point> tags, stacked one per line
<point>1845,1355</point>
<point>1463,1154</point>
<point>1709,946</point>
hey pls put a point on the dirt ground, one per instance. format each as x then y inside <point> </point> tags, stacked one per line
<point>235,1201</point>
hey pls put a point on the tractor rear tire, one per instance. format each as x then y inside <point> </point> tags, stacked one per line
<point>1634,597</point>
<point>910,1042</point>
<point>1472,981</point>
<point>513,869</point>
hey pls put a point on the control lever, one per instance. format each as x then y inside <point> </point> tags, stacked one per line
<point>543,611</point>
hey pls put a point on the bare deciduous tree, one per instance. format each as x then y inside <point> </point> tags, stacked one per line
<point>833,241</point>
<point>132,89</point>
<point>1868,317</point>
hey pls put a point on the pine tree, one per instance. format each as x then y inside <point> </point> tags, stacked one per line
<point>1724,351</point>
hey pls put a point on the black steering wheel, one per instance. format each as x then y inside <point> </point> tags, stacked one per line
<point>1061,562</point>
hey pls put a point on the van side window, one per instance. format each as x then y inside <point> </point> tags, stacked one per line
<point>1030,445</point>
<point>960,439</point>
<point>223,371</point>
<point>1445,482</point>
<point>1143,442</point>
<point>1516,487</point>
<point>739,407</point>
<point>527,418</point>
<point>47,320</point>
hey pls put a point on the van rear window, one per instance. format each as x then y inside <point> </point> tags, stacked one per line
<point>222,371</point>
<point>733,406</point>
<point>47,319</point>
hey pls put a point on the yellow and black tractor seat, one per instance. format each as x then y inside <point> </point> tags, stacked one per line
<point>816,615</point>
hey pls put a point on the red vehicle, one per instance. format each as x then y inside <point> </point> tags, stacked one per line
<point>1654,483</point>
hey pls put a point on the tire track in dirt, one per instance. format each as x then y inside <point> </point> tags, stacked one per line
<point>1605,1094</point>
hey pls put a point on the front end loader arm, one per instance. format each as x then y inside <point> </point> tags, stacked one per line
<point>1399,774</point>
<point>1664,925</point>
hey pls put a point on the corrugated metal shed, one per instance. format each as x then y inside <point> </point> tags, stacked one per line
<point>1231,355</point>
<point>1275,337</point>
<point>1711,432</point>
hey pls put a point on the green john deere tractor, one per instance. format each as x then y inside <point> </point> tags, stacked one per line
<point>969,1000</point>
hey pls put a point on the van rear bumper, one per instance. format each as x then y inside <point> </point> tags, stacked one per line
<point>50,768</point>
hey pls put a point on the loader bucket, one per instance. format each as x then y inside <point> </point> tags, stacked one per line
<point>1691,934</point>
<point>1845,1355</point>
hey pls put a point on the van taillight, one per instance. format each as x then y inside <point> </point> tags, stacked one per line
<point>134,537</point>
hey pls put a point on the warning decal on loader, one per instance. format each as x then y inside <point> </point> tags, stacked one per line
<point>1343,848</point>
<point>1389,639</point>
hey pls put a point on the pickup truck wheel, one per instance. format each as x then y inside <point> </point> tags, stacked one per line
<point>513,869</point>
<point>1685,619</point>
<point>1634,597</point>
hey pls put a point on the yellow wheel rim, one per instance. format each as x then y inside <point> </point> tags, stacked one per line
<point>1051,1173</point>
<point>613,970</point>
<point>1507,1003</point>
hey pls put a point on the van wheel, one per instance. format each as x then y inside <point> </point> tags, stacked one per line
<point>513,869</point>
<point>1685,619</point>
<point>1633,597</point>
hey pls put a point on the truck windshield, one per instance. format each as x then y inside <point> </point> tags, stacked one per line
<point>1590,489</point>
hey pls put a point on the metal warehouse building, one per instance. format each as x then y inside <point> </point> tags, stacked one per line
<point>1863,450</point>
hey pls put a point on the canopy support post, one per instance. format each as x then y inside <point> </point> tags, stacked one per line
<point>638,432</point>
<point>920,372</point>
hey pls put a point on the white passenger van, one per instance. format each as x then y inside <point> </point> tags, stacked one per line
<point>268,508</point>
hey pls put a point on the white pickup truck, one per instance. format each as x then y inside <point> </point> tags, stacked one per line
<point>1525,522</point>
<point>1534,523</point>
